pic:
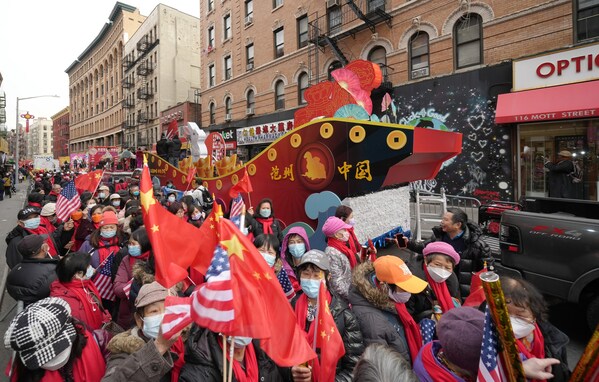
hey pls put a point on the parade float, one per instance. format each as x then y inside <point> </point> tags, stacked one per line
<point>336,150</point>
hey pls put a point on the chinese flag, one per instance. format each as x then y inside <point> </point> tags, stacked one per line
<point>88,182</point>
<point>328,339</point>
<point>259,301</point>
<point>173,128</point>
<point>477,294</point>
<point>191,173</point>
<point>244,185</point>
<point>175,243</point>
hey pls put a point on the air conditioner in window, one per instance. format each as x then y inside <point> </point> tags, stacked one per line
<point>249,19</point>
<point>228,117</point>
<point>419,73</point>
<point>250,66</point>
<point>249,111</point>
<point>332,3</point>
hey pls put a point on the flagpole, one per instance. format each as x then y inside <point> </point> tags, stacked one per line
<point>230,372</point>
<point>107,257</point>
<point>224,358</point>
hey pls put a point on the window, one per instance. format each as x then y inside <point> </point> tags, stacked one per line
<point>302,85</point>
<point>587,19</point>
<point>334,18</point>
<point>212,109</point>
<point>279,95</point>
<point>210,5</point>
<point>334,65</point>
<point>250,101</point>
<point>279,42</point>
<point>211,75</point>
<point>418,51</point>
<point>211,37</point>
<point>228,106</point>
<point>468,41</point>
<point>228,68</point>
<point>378,55</point>
<point>276,3</point>
<point>373,5</point>
<point>302,31</point>
<point>227,27</point>
<point>249,10</point>
<point>249,56</point>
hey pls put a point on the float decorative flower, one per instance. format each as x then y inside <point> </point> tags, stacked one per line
<point>352,111</point>
<point>347,79</point>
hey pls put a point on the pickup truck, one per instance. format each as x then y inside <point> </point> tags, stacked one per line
<point>554,244</point>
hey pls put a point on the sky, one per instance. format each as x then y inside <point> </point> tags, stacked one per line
<point>39,39</point>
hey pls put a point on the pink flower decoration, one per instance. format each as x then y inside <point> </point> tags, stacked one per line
<point>362,98</point>
<point>386,102</point>
<point>347,79</point>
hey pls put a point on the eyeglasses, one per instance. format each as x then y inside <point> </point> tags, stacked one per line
<point>531,321</point>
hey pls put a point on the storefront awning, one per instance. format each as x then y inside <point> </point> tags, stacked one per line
<point>548,104</point>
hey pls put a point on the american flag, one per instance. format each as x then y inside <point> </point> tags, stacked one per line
<point>427,329</point>
<point>283,278</point>
<point>212,304</point>
<point>489,368</point>
<point>177,315</point>
<point>67,202</point>
<point>236,210</point>
<point>127,288</point>
<point>103,279</point>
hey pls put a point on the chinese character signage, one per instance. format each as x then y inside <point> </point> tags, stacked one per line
<point>266,133</point>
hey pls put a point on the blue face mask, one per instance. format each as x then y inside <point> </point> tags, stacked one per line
<point>265,213</point>
<point>310,287</point>
<point>32,223</point>
<point>134,250</point>
<point>241,342</point>
<point>136,193</point>
<point>297,250</point>
<point>90,272</point>
<point>108,234</point>
<point>270,259</point>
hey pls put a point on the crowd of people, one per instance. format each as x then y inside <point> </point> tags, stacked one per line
<point>400,315</point>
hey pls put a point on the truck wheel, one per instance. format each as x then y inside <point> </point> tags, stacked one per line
<point>593,313</point>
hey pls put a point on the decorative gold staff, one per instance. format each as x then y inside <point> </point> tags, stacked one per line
<point>588,365</point>
<point>510,358</point>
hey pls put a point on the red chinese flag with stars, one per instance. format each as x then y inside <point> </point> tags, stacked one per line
<point>243,185</point>
<point>175,243</point>
<point>88,182</point>
<point>328,339</point>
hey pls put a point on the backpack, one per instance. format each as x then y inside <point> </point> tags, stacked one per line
<point>576,175</point>
<point>207,201</point>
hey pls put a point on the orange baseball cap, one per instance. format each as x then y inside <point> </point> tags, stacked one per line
<point>392,270</point>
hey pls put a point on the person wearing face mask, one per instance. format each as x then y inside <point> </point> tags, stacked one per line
<point>52,346</point>
<point>268,246</point>
<point>134,191</point>
<point>74,285</point>
<point>142,353</point>
<point>28,223</point>
<point>52,196</point>
<point>77,218</point>
<point>103,195</point>
<point>115,201</point>
<point>442,294</point>
<point>90,221</point>
<point>48,217</point>
<point>295,244</point>
<point>378,296</point>
<point>137,251</point>
<point>30,280</point>
<point>535,336</point>
<point>313,271</point>
<point>346,214</point>
<point>263,220</point>
<point>107,239</point>
<point>171,197</point>
<point>340,255</point>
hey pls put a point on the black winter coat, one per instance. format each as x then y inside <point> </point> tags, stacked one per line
<point>162,148</point>
<point>204,360</point>
<point>421,305</point>
<point>376,313</point>
<point>60,238</point>
<point>471,259</point>
<point>555,347</point>
<point>174,147</point>
<point>257,228</point>
<point>347,324</point>
<point>560,184</point>
<point>30,280</point>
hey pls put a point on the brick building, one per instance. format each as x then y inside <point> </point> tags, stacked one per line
<point>441,60</point>
<point>95,93</point>
<point>60,133</point>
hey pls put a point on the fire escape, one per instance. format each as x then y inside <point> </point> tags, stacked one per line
<point>343,18</point>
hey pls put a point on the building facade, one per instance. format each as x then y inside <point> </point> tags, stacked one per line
<point>39,139</point>
<point>161,70</point>
<point>60,133</point>
<point>95,93</point>
<point>444,65</point>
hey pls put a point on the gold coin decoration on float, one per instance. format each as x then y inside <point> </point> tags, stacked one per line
<point>252,169</point>
<point>152,160</point>
<point>219,184</point>
<point>326,130</point>
<point>234,179</point>
<point>272,154</point>
<point>396,140</point>
<point>174,173</point>
<point>357,134</point>
<point>183,179</point>
<point>296,140</point>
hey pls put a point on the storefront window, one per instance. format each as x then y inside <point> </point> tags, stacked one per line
<point>542,141</point>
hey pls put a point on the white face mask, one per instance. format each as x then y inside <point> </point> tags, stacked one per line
<point>59,361</point>
<point>89,272</point>
<point>521,327</point>
<point>270,259</point>
<point>241,342</point>
<point>152,325</point>
<point>400,297</point>
<point>438,274</point>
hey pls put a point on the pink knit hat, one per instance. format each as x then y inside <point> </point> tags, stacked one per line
<point>443,248</point>
<point>332,225</point>
<point>109,217</point>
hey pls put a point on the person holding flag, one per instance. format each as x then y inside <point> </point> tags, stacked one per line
<point>263,220</point>
<point>313,311</point>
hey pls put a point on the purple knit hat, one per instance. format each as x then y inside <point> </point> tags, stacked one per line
<point>443,248</point>
<point>332,225</point>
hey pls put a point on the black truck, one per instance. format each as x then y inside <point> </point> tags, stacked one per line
<point>554,244</point>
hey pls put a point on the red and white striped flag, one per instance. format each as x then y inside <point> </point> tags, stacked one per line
<point>237,208</point>
<point>67,202</point>
<point>127,288</point>
<point>490,368</point>
<point>103,279</point>
<point>177,315</point>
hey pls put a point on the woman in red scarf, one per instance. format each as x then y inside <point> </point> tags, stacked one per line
<point>107,239</point>
<point>341,257</point>
<point>346,214</point>
<point>75,287</point>
<point>138,249</point>
<point>264,220</point>
<point>92,216</point>
<point>436,266</point>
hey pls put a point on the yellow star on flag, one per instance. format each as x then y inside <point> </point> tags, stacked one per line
<point>267,276</point>
<point>256,275</point>
<point>155,228</point>
<point>233,247</point>
<point>323,334</point>
<point>98,176</point>
<point>332,329</point>
<point>147,199</point>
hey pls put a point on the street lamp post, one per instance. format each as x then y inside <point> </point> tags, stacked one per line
<point>17,126</point>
